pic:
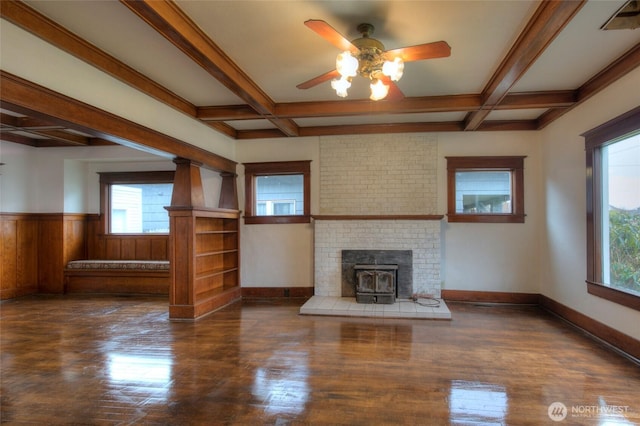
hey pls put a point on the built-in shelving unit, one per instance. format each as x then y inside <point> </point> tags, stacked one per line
<point>205,260</point>
<point>204,245</point>
<point>216,254</point>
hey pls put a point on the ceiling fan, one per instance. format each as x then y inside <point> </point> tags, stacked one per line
<point>367,57</point>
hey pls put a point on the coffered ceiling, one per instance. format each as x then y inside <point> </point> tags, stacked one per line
<point>514,65</point>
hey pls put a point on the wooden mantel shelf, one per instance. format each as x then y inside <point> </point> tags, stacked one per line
<point>380,217</point>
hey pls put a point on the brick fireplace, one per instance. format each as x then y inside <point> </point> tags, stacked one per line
<point>420,237</point>
<point>378,192</point>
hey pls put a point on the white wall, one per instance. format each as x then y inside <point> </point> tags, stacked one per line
<point>278,255</point>
<point>492,256</point>
<point>563,243</point>
<point>16,178</point>
<point>55,180</point>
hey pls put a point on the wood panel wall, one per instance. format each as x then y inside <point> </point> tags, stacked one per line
<point>18,255</point>
<point>124,247</point>
<point>35,248</point>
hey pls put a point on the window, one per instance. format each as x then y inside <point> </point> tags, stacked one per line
<point>485,189</point>
<point>613,210</point>
<point>134,202</point>
<point>277,192</point>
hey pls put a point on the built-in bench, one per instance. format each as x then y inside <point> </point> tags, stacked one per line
<point>117,276</point>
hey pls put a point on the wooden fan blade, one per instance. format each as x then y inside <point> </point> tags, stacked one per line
<point>328,33</point>
<point>437,49</point>
<point>395,94</point>
<point>319,79</point>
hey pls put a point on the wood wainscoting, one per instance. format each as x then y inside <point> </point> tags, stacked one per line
<point>34,249</point>
<point>124,247</point>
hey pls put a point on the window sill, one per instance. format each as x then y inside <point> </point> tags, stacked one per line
<point>277,220</point>
<point>614,295</point>
<point>486,218</point>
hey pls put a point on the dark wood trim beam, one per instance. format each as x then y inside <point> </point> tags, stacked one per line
<point>26,123</point>
<point>506,125</point>
<point>30,20</point>
<point>227,113</point>
<point>10,137</point>
<point>451,103</point>
<point>28,98</point>
<point>369,129</point>
<point>620,67</point>
<point>417,105</point>
<point>626,63</point>
<point>547,22</point>
<point>533,100</point>
<point>62,136</point>
<point>360,129</point>
<point>171,22</point>
<point>48,30</point>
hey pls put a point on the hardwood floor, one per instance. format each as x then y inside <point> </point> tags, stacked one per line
<point>119,360</point>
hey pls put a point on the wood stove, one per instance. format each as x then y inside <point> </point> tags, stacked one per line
<point>376,283</point>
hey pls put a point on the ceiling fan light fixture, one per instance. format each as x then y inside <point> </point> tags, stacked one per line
<point>347,65</point>
<point>341,85</point>
<point>393,69</point>
<point>379,90</point>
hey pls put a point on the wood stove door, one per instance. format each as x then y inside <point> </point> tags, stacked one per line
<point>385,282</point>
<point>366,282</point>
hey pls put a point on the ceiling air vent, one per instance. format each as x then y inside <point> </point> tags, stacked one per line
<point>626,18</point>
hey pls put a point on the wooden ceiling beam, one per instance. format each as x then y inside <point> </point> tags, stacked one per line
<point>547,22</point>
<point>27,98</point>
<point>626,63</point>
<point>29,19</point>
<point>360,129</point>
<point>11,137</point>
<point>535,100</point>
<point>415,105</point>
<point>172,23</point>
<point>13,123</point>
<point>227,113</point>
<point>62,136</point>
<point>452,103</point>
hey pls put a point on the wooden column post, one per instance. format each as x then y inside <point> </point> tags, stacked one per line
<point>187,184</point>
<point>229,191</point>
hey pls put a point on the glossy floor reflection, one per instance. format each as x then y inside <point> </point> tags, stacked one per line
<point>110,360</point>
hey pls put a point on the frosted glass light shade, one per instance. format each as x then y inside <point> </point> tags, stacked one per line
<point>379,90</point>
<point>347,65</point>
<point>393,69</point>
<point>341,86</point>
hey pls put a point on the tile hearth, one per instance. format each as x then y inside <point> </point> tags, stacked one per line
<point>347,306</point>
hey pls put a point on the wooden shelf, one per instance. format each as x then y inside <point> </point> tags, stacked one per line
<point>206,273</point>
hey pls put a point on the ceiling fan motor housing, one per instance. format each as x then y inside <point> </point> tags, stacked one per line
<point>371,53</point>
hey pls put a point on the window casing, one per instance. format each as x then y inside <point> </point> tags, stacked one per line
<point>485,189</point>
<point>134,202</point>
<point>601,207</point>
<point>277,192</point>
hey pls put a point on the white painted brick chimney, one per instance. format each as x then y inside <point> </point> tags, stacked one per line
<point>378,175</point>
